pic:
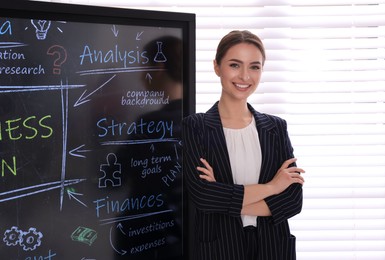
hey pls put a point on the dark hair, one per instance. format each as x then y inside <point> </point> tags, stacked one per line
<point>236,37</point>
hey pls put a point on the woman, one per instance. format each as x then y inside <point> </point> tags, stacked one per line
<point>239,165</point>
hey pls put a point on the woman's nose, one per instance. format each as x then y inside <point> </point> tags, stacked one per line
<point>244,75</point>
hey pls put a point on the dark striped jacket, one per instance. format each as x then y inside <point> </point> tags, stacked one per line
<point>218,226</point>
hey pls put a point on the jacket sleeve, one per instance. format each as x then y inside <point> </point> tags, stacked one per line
<point>288,203</point>
<point>210,197</point>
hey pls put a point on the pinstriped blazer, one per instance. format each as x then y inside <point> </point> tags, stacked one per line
<point>219,231</point>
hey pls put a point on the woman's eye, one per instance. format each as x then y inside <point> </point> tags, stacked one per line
<point>234,65</point>
<point>255,67</point>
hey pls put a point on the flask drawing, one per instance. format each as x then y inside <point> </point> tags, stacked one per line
<point>159,57</point>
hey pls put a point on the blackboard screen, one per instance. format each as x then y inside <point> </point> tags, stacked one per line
<point>91,101</point>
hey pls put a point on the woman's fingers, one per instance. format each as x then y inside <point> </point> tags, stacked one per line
<point>297,178</point>
<point>207,171</point>
<point>287,175</point>
<point>206,174</point>
<point>207,178</point>
<point>206,164</point>
<point>296,170</point>
<point>287,163</point>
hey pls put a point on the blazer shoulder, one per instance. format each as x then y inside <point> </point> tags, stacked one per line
<point>266,118</point>
<point>269,122</point>
<point>274,119</point>
<point>194,119</point>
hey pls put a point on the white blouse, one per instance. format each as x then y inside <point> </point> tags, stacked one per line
<point>245,158</point>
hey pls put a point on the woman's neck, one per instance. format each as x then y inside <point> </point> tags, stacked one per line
<point>234,114</point>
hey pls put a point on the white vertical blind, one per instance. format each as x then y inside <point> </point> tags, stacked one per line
<point>325,74</point>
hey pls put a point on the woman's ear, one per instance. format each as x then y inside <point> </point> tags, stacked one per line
<point>216,68</point>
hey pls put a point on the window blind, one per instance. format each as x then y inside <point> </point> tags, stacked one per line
<point>324,74</point>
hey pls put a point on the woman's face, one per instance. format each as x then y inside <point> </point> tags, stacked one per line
<point>240,71</point>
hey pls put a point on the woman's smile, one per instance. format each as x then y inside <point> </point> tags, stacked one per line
<point>242,86</point>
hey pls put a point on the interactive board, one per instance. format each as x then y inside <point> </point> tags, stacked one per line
<point>91,101</point>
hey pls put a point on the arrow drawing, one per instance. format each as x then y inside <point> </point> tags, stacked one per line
<point>71,195</point>
<point>115,31</point>
<point>75,152</point>
<point>138,35</point>
<point>121,252</point>
<point>85,99</point>
<point>148,77</point>
<point>120,226</point>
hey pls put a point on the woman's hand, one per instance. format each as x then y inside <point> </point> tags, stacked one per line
<point>286,176</point>
<point>207,171</point>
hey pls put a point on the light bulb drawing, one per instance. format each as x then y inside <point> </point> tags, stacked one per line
<point>42,27</point>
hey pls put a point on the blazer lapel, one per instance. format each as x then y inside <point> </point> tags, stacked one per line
<point>217,144</point>
<point>267,137</point>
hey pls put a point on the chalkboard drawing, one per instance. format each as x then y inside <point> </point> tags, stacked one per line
<point>72,195</point>
<point>6,27</point>
<point>111,172</point>
<point>12,236</point>
<point>115,31</point>
<point>61,57</point>
<point>42,27</point>
<point>78,150</point>
<point>83,99</point>
<point>84,235</point>
<point>119,251</point>
<point>29,240</point>
<point>160,57</point>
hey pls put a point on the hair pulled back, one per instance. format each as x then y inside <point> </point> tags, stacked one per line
<point>237,37</point>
